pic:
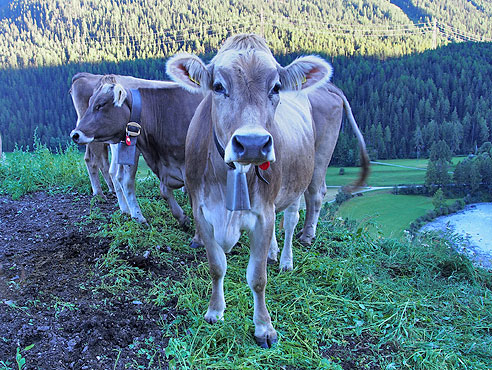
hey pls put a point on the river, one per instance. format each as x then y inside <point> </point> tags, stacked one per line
<point>474,224</point>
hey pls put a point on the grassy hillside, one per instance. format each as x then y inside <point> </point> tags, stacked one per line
<point>352,301</point>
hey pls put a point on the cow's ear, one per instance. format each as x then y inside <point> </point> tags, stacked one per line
<point>119,95</point>
<point>305,72</point>
<point>189,71</point>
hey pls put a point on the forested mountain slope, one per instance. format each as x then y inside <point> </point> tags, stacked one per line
<point>55,32</point>
<point>402,104</point>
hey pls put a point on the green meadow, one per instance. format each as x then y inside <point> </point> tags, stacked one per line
<point>389,214</point>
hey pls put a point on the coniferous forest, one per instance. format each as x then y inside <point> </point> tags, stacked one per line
<point>416,72</point>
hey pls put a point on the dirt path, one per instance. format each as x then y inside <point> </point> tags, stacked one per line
<point>46,266</point>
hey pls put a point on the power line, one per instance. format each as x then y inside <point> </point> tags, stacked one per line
<point>250,23</point>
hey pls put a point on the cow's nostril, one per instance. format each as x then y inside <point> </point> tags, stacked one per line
<point>237,146</point>
<point>268,146</point>
<point>75,137</point>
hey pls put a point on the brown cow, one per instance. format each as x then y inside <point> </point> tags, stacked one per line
<point>165,116</point>
<point>96,155</point>
<point>255,113</point>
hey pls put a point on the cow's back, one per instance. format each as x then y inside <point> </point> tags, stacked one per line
<point>294,147</point>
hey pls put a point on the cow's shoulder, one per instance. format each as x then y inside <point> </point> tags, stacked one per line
<point>198,142</point>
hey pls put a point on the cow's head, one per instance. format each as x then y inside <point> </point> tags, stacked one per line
<point>245,82</point>
<point>106,116</point>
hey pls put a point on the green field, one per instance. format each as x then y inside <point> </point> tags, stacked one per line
<point>354,300</point>
<point>388,213</point>
<point>385,175</point>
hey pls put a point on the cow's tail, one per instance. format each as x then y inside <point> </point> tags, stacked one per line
<point>364,157</point>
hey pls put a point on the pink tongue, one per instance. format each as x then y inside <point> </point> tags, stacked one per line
<point>265,166</point>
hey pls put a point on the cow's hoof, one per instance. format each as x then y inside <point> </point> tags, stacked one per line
<point>213,316</point>
<point>141,220</point>
<point>287,267</point>
<point>306,241</point>
<point>195,245</point>
<point>271,261</point>
<point>99,198</point>
<point>267,341</point>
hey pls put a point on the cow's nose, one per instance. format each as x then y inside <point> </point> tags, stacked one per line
<point>75,136</point>
<point>252,148</point>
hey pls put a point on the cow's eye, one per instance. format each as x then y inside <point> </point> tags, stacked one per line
<point>276,89</point>
<point>97,107</point>
<point>219,88</point>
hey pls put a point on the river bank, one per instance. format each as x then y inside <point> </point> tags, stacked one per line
<point>473,226</point>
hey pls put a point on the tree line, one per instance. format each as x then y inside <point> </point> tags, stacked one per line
<point>52,32</point>
<point>402,105</point>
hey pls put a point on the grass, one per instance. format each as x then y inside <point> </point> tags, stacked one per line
<point>387,213</point>
<point>22,172</point>
<point>354,299</point>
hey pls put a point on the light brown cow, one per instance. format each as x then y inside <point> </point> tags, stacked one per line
<point>165,116</point>
<point>255,113</point>
<point>96,155</point>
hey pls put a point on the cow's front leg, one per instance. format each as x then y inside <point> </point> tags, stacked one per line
<point>126,177</point>
<point>291,218</point>
<point>217,267</point>
<point>256,275</point>
<point>114,170</point>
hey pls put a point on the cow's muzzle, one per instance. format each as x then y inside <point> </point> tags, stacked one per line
<point>78,137</point>
<point>252,148</point>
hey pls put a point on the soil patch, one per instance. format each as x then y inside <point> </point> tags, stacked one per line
<point>46,262</point>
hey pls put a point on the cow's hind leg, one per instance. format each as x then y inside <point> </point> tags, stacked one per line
<point>273,251</point>
<point>93,170</point>
<point>256,275</point>
<point>176,210</point>
<point>291,218</point>
<point>314,196</point>
<point>104,168</point>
